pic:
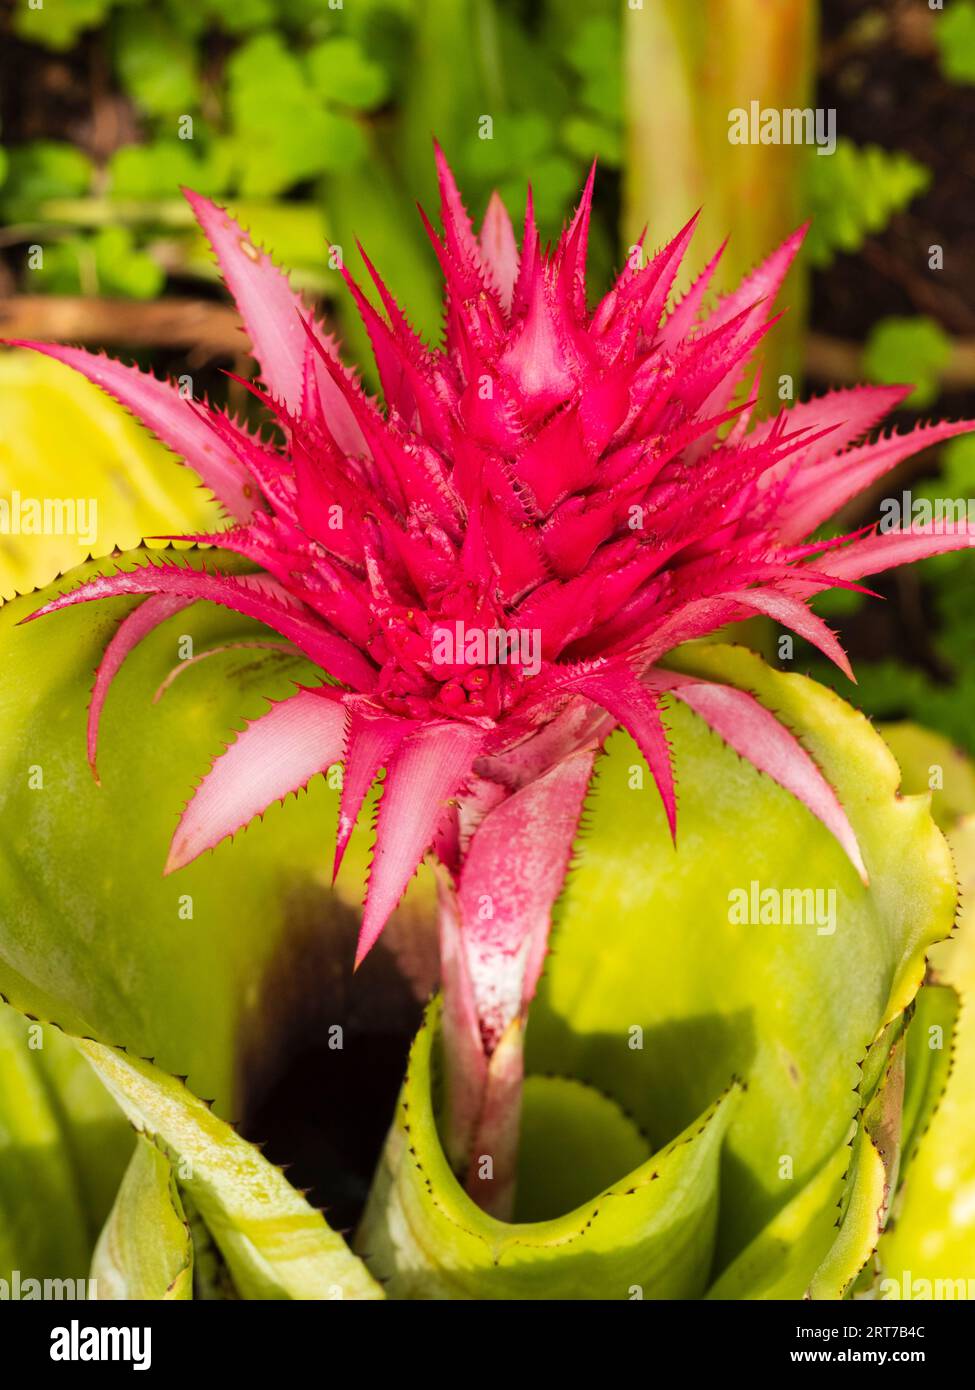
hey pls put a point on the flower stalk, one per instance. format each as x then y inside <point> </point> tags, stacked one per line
<point>709,59</point>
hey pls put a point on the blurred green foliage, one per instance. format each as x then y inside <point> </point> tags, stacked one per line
<point>954,35</point>
<point>854,193</point>
<point>902,350</point>
<point>44,169</point>
<point>335,107</point>
<point>321,107</point>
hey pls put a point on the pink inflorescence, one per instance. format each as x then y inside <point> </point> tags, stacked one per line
<point>492,564</point>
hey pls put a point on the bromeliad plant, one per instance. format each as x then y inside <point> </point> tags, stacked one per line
<point>491,572</point>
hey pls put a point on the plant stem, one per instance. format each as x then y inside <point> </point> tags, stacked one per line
<point>482,1103</point>
<point>493,1167</point>
<point>686,67</point>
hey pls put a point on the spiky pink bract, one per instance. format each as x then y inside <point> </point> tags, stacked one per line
<point>555,471</point>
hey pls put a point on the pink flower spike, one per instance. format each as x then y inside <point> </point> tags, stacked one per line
<point>132,629</point>
<point>426,770</point>
<point>792,613</point>
<point>492,558</point>
<point>499,250</point>
<point>266,301</point>
<point>682,319</point>
<point>276,754</point>
<point>371,738</point>
<point>819,490</point>
<point>887,549</point>
<point>761,739</point>
<point>334,654</point>
<point>619,692</point>
<point>173,420</point>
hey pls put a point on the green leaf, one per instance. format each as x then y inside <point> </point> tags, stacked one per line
<point>241,16</point>
<point>155,170</point>
<point>65,267</point>
<point>122,268</point>
<point>958,466</point>
<point>591,139</point>
<point>908,350</point>
<point>816,1246</point>
<point>855,192</point>
<point>649,1234</point>
<point>595,52</point>
<point>95,1135</point>
<point>891,689</point>
<point>145,1250</point>
<point>190,20</point>
<point>595,1139</point>
<point>130,484</point>
<point>275,1245</point>
<point>933,764</point>
<point>930,1040</point>
<point>870,1181</point>
<point>930,1243</point>
<point>156,64</point>
<point>282,134</point>
<point>382,29</point>
<point>42,169</point>
<point>58,23</point>
<point>790,1010</point>
<point>554,180</point>
<point>954,34</point>
<point>515,140</point>
<point>932,1236</point>
<point>63,1149</point>
<point>777,1264</point>
<point>342,73</point>
<point>186,969</point>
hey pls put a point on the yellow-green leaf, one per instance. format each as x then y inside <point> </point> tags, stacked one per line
<point>275,1245</point>
<point>145,1250</point>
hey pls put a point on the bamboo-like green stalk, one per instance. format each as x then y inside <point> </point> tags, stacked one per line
<point>454,78</point>
<point>687,66</point>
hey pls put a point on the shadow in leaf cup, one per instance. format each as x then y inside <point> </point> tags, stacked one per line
<point>654,996</point>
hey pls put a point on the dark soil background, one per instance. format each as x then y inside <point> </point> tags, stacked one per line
<point>877,69</point>
<point>889,92</point>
